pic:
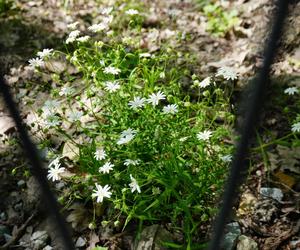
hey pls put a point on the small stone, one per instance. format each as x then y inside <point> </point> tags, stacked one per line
<point>47,247</point>
<point>3,216</point>
<point>80,242</point>
<point>274,193</point>
<point>246,243</point>
<point>39,239</point>
<point>21,183</point>
<point>4,230</point>
<point>233,231</point>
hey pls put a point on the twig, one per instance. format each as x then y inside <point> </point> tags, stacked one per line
<point>18,233</point>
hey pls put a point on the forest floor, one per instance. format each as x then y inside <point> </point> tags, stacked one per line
<point>260,221</point>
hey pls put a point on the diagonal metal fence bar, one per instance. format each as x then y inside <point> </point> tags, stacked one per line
<point>36,168</point>
<point>254,105</point>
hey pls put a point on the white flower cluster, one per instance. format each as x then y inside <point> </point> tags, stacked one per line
<point>126,136</point>
<point>39,61</point>
<point>55,170</point>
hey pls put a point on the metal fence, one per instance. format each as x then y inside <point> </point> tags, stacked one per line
<point>238,167</point>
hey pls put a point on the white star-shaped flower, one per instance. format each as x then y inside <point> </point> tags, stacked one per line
<point>129,162</point>
<point>204,136</point>
<point>36,62</point>
<point>137,102</point>
<point>101,192</point>
<point>291,91</point>
<point>75,116</point>
<point>106,168</point>
<point>226,158</point>
<point>227,73</point>
<point>54,172</point>
<point>154,98</point>
<point>204,83</point>
<point>128,131</point>
<point>296,127</point>
<point>170,109</point>
<point>125,139</point>
<point>73,26</point>
<point>100,154</point>
<point>98,27</point>
<point>112,86</point>
<point>111,70</point>
<point>134,185</point>
<point>131,12</point>
<point>45,53</point>
<point>65,91</point>
<point>83,39</point>
<point>72,36</point>
<point>107,11</point>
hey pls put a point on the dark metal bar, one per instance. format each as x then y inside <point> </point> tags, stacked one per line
<point>254,105</point>
<point>36,168</point>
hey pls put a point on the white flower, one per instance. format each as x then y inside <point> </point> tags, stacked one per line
<point>111,70</point>
<point>101,192</point>
<point>107,20</point>
<point>51,104</point>
<point>226,158</point>
<point>54,172</point>
<point>45,53</point>
<point>296,127</point>
<point>145,55</point>
<point>75,116</point>
<point>51,121</point>
<point>73,26</point>
<point>111,86</point>
<point>100,154</point>
<point>170,109</point>
<point>204,83</point>
<point>72,36</point>
<point>106,168</point>
<point>137,102</point>
<point>291,91</point>
<point>128,131</point>
<point>227,73</point>
<point>204,136</point>
<point>134,185</point>
<point>128,162</point>
<point>155,98</point>
<point>83,39</point>
<point>98,27</point>
<point>102,62</point>
<point>36,62</point>
<point>126,136</point>
<point>107,11</point>
<point>124,140</point>
<point>183,139</point>
<point>65,91</point>
<point>55,162</point>
<point>162,75</point>
<point>131,12</point>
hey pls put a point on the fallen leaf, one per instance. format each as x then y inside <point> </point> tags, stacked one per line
<point>6,124</point>
<point>285,179</point>
<point>70,150</point>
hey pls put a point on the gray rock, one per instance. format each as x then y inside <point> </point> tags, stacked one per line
<point>47,247</point>
<point>21,183</point>
<point>80,242</point>
<point>39,239</point>
<point>233,232</point>
<point>246,243</point>
<point>274,193</point>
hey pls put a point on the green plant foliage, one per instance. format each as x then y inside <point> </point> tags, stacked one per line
<point>219,21</point>
<point>153,153</point>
